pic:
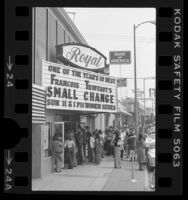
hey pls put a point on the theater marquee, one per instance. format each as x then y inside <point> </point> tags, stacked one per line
<point>80,55</point>
<point>69,88</point>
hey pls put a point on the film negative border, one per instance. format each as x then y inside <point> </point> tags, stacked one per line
<point>18,87</point>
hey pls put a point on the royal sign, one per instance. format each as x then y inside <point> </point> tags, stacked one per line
<point>70,88</point>
<point>79,55</point>
<point>120,57</point>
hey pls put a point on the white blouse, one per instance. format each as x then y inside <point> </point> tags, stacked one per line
<point>69,143</point>
<point>92,142</point>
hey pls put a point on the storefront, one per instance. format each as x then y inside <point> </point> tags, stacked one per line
<point>69,84</point>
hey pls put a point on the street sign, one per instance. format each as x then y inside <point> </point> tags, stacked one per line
<point>122,82</point>
<point>120,57</point>
<point>140,93</point>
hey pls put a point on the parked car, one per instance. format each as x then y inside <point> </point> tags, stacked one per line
<point>151,156</point>
<point>152,136</point>
<point>148,140</point>
<point>152,130</point>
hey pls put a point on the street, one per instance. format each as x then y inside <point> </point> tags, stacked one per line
<point>91,177</point>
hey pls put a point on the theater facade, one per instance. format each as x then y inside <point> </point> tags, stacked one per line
<point>71,85</point>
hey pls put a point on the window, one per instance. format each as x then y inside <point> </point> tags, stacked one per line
<point>48,139</point>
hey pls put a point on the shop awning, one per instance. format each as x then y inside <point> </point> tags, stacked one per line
<point>122,110</point>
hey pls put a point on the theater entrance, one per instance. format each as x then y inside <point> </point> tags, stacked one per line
<point>63,129</point>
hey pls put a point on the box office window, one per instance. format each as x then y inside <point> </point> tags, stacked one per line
<point>48,139</point>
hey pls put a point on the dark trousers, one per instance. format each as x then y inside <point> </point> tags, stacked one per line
<point>108,150</point>
<point>102,151</point>
<point>146,150</point>
<point>122,154</point>
<point>70,154</point>
<point>80,154</point>
<point>84,149</point>
<point>92,155</point>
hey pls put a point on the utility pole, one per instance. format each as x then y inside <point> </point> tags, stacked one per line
<point>144,102</point>
<point>135,84</point>
<point>135,75</point>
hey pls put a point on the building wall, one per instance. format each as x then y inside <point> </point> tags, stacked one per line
<point>36,151</point>
<point>41,165</point>
<point>111,119</point>
<point>49,31</point>
<point>50,28</point>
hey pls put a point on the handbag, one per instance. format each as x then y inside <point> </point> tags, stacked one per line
<point>59,148</point>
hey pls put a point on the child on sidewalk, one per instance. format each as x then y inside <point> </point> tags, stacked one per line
<point>70,145</point>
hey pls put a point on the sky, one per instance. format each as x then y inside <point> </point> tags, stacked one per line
<point>111,29</point>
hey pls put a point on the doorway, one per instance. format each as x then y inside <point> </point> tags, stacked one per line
<point>63,129</point>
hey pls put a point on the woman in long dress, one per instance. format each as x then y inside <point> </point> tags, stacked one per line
<point>140,151</point>
<point>75,151</point>
<point>117,142</point>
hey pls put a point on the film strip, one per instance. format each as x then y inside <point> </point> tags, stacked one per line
<point>18,90</point>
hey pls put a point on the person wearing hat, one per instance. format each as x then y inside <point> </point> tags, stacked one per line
<point>58,152</point>
<point>79,142</point>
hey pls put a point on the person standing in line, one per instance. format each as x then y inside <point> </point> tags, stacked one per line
<point>117,142</point>
<point>92,147</point>
<point>58,152</point>
<point>88,149</point>
<point>69,145</point>
<point>108,142</point>
<point>84,142</point>
<point>126,144</point>
<point>140,151</point>
<point>79,137</point>
<point>101,143</point>
<point>122,135</point>
<point>131,142</point>
<point>113,135</point>
<point>75,150</point>
<point>146,142</point>
<point>97,148</point>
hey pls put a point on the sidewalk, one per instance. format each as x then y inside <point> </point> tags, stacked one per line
<point>91,177</point>
<point>120,179</point>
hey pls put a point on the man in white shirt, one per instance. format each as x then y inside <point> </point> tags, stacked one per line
<point>92,146</point>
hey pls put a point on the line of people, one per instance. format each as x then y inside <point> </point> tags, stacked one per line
<point>84,146</point>
<point>79,147</point>
<point>119,142</point>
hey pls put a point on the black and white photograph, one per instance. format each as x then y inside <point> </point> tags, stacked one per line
<point>93,99</point>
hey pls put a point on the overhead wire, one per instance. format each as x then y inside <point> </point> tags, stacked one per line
<point>119,37</point>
